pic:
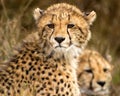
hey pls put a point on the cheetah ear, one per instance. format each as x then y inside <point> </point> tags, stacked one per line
<point>37,13</point>
<point>90,17</point>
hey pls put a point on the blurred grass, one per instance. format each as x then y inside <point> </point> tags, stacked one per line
<point>16,22</point>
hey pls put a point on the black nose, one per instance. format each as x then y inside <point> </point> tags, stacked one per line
<point>59,39</point>
<point>101,83</point>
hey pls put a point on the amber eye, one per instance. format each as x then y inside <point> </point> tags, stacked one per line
<point>51,26</point>
<point>70,25</point>
<point>88,70</point>
<point>105,69</point>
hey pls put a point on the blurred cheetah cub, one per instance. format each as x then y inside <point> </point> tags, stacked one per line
<point>94,74</point>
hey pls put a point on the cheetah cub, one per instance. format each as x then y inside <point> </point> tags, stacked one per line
<point>94,74</point>
<point>47,67</point>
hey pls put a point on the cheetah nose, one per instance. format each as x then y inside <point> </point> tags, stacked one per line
<point>59,39</point>
<point>101,83</point>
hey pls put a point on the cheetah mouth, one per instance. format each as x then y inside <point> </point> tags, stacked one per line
<point>91,92</point>
<point>60,46</point>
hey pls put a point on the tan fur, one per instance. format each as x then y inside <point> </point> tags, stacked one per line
<point>93,71</point>
<point>46,65</point>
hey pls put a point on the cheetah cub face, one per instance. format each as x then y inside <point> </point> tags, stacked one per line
<point>94,74</point>
<point>64,27</point>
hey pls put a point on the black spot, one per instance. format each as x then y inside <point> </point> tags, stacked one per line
<point>42,78</point>
<point>24,55</point>
<point>45,67</point>
<point>43,72</point>
<point>2,91</point>
<point>31,77</point>
<point>21,58</point>
<point>9,84</point>
<point>65,85</point>
<point>32,51</point>
<point>37,86</point>
<point>22,68</point>
<point>27,72</point>
<point>43,52</point>
<point>30,55</point>
<point>41,88</point>
<point>57,90</point>
<point>48,94</point>
<point>54,80</point>
<point>22,77</point>
<point>18,91</point>
<point>56,66</point>
<point>49,73</point>
<point>12,66</point>
<point>30,63</point>
<point>53,70</point>
<point>67,93</point>
<point>47,78</point>
<point>58,83</point>
<point>35,63</point>
<point>32,59</point>
<point>38,90</point>
<point>61,80</point>
<point>49,83</point>
<point>8,87</point>
<point>30,68</point>
<point>34,79</point>
<point>34,69</point>
<point>58,59</point>
<point>17,67</point>
<point>59,74</point>
<point>33,74</point>
<point>19,85</point>
<point>6,80</point>
<point>3,84</point>
<point>67,76</point>
<point>39,68</point>
<point>17,75</point>
<point>8,94</point>
<point>37,58</point>
<point>68,85</point>
<point>38,73</point>
<point>16,61</point>
<point>41,64</point>
<point>51,89</point>
<point>17,80</point>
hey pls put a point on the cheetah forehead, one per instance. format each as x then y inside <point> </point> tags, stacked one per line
<point>64,10</point>
<point>63,7</point>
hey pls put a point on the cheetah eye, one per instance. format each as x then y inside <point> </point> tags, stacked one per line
<point>88,70</point>
<point>105,69</point>
<point>51,26</point>
<point>70,25</point>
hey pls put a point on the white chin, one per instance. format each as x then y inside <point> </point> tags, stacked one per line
<point>103,92</point>
<point>90,92</point>
<point>60,49</point>
<point>71,50</point>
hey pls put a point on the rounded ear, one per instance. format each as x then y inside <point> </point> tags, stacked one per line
<point>90,17</point>
<point>37,13</point>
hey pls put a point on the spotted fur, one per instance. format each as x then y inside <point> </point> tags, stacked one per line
<point>47,66</point>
